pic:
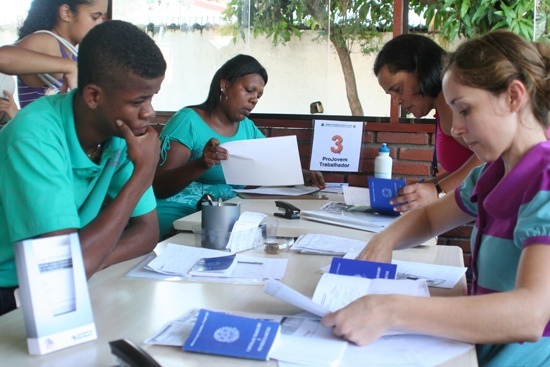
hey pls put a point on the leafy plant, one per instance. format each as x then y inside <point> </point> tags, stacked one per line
<point>470,18</point>
<point>350,23</point>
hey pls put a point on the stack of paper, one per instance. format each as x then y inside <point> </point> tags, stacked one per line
<point>245,233</point>
<point>327,244</point>
<point>179,260</point>
<point>334,292</point>
<point>362,220</point>
<point>302,340</point>
<point>437,276</point>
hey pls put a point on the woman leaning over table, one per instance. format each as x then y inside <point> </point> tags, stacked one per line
<point>190,152</point>
<point>498,88</point>
<point>408,68</point>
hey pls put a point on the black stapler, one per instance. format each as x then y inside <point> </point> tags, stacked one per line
<point>130,354</point>
<point>291,212</point>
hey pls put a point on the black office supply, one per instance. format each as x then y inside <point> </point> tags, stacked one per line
<point>291,212</point>
<point>131,355</point>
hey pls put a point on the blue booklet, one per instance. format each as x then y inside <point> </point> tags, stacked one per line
<point>362,268</point>
<point>233,336</point>
<point>219,263</point>
<point>381,191</point>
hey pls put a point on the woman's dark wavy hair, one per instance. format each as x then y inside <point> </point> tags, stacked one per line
<point>232,70</point>
<point>114,49</point>
<point>43,14</point>
<point>410,53</point>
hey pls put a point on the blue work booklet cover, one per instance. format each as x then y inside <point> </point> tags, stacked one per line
<point>362,268</point>
<point>381,191</point>
<point>230,335</point>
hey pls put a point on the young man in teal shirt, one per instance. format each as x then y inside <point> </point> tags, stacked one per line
<point>84,161</point>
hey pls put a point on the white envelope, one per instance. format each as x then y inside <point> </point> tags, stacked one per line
<point>263,162</point>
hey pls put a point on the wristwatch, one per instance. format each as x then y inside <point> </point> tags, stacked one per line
<point>440,192</point>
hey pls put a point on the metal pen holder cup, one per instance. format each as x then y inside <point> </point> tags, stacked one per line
<point>217,220</point>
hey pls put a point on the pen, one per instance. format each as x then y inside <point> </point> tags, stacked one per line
<point>251,262</point>
<point>209,198</point>
<point>219,201</point>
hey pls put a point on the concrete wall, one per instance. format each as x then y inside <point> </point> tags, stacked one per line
<point>303,71</point>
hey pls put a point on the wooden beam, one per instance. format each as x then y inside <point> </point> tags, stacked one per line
<point>400,26</point>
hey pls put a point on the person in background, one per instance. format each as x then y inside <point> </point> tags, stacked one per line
<point>408,68</point>
<point>62,156</point>
<point>8,107</point>
<point>497,87</point>
<point>35,62</point>
<point>190,151</point>
<point>55,28</point>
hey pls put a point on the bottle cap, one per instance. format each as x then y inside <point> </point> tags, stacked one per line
<point>384,148</point>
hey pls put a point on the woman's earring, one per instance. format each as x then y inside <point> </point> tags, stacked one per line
<point>222,95</point>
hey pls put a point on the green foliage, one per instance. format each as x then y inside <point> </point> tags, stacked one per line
<point>349,21</point>
<point>362,20</point>
<point>470,18</point>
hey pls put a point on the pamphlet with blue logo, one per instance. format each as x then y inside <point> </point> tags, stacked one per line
<point>230,335</point>
<point>362,268</point>
<point>381,191</point>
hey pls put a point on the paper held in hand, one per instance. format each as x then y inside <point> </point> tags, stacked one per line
<point>336,291</point>
<point>263,162</point>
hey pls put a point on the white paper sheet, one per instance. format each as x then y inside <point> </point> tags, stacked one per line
<point>280,190</point>
<point>335,187</point>
<point>244,234</point>
<point>267,162</point>
<point>440,276</point>
<point>178,260</point>
<point>352,219</point>
<point>337,291</point>
<point>354,195</point>
<point>334,292</point>
<point>327,244</point>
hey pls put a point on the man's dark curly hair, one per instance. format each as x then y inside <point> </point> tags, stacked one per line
<point>43,14</point>
<point>414,53</point>
<point>114,49</point>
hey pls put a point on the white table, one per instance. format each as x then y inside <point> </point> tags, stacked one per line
<point>288,227</point>
<point>136,308</point>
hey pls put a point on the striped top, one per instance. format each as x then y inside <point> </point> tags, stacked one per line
<point>513,212</point>
<point>28,94</point>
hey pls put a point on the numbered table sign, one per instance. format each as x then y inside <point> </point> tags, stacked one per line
<point>336,145</point>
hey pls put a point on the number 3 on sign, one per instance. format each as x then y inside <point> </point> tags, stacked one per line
<point>337,139</point>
